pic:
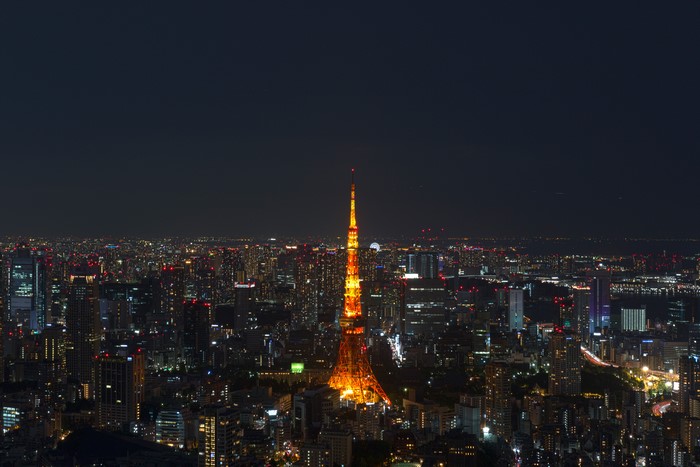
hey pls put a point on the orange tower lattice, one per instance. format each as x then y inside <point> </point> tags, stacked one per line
<point>352,374</point>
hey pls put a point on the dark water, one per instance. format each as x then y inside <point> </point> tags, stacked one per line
<point>657,307</point>
<point>592,246</point>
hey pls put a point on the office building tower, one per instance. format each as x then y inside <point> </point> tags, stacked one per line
<point>497,404</point>
<point>331,275</point>
<point>423,263</point>
<point>311,407</point>
<point>56,299</point>
<point>21,285</point>
<point>196,333</point>
<point>189,267</point>
<point>567,317</point>
<point>28,294</point>
<point>170,428</point>
<point>83,332</point>
<point>565,363</point>
<point>599,303</point>
<point>119,386</point>
<point>677,310</point>
<point>694,339</point>
<point>40,314</point>
<point>688,382</point>
<point>352,373</point>
<point>115,314</point>
<point>306,282</point>
<point>205,285</point>
<point>53,360</point>
<point>340,444</point>
<point>424,307</point>
<point>218,437</point>
<point>516,309</point>
<point>633,319</point>
<point>172,294</point>
<point>232,271</point>
<point>244,305</point>
<point>582,299</point>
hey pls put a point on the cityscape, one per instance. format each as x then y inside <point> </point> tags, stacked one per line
<point>214,351</point>
<point>349,234</point>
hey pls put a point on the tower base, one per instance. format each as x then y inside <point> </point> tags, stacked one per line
<point>352,374</point>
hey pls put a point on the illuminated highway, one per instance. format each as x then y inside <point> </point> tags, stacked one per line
<point>395,345</point>
<point>592,358</point>
<point>661,408</point>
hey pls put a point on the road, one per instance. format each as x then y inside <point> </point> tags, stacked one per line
<point>661,408</point>
<point>594,359</point>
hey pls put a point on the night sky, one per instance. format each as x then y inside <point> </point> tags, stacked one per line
<point>245,118</point>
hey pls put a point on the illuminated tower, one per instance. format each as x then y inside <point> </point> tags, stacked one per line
<point>352,374</point>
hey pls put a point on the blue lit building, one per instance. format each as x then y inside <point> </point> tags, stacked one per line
<point>599,305</point>
<point>29,287</point>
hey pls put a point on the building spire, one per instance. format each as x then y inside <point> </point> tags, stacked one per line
<point>353,221</point>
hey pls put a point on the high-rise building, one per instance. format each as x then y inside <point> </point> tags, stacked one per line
<point>633,319</point>
<point>205,285</point>
<point>582,299</point>
<point>311,407</point>
<point>53,359</point>
<point>352,373</point>
<point>119,387</point>
<point>21,290</point>
<point>243,306</point>
<point>677,310</point>
<point>688,382</point>
<point>516,309</point>
<point>340,444</point>
<point>172,294</point>
<point>565,364</point>
<point>306,282</point>
<point>423,263</point>
<point>170,428</point>
<point>599,303</point>
<point>567,317</point>
<point>218,440</point>
<point>331,275</point>
<point>232,271</point>
<point>196,333</point>
<point>28,294</point>
<point>425,312</point>
<point>497,406</point>
<point>83,332</point>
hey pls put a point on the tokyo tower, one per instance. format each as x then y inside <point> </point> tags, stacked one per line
<point>352,374</point>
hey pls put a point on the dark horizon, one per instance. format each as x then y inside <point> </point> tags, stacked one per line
<point>229,120</point>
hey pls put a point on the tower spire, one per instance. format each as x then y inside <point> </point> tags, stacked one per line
<point>353,221</point>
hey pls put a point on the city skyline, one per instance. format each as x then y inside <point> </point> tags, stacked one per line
<point>241,119</point>
<point>516,281</point>
<point>308,354</point>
